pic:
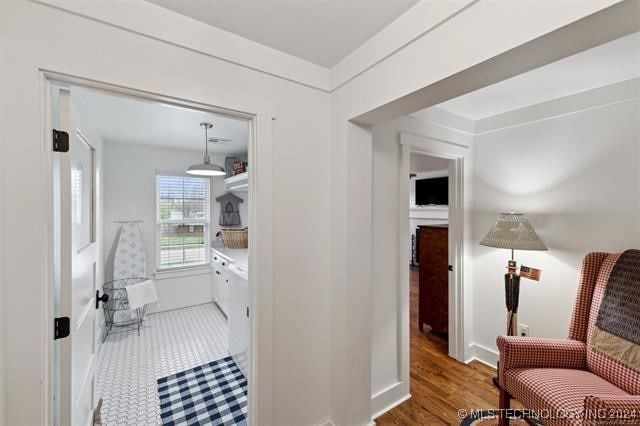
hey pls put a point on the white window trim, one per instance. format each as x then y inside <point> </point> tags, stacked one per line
<point>183,271</point>
<point>187,270</point>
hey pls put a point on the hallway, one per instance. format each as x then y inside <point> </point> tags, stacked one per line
<point>440,386</point>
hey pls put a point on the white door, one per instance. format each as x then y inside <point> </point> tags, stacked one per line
<point>75,268</point>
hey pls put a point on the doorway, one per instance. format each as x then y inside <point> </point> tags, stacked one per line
<point>429,261</point>
<point>98,374</point>
<point>428,153</point>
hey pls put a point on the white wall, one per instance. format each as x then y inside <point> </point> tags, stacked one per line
<point>576,177</point>
<point>130,194</point>
<point>320,313</point>
<point>584,198</point>
<point>390,89</point>
<point>38,37</point>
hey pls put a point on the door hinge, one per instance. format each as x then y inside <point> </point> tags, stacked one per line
<point>61,327</point>
<point>60,141</point>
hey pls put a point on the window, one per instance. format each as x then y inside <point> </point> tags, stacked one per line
<point>182,210</point>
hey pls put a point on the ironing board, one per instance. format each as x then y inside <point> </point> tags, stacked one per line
<point>130,260</point>
<point>129,267</point>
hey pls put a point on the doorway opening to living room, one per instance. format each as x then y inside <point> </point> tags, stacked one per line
<point>429,261</point>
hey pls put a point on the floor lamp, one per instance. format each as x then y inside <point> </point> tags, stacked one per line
<point>514,232</point>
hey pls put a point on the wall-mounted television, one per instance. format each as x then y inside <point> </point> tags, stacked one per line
<point>433,191</point>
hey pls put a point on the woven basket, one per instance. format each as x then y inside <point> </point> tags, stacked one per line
<point>235,238</point>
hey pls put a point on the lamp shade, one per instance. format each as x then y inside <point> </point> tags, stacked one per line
<point>513,231</point>
<point>206,168</point>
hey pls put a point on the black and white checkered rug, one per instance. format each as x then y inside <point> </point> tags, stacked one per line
<point>210,394</point>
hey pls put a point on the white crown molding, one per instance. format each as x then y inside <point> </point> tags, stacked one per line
<point>170,27</point>
<point>599,97</point>
<point>404,30</point>
<point>178,30</point>
<point>167,26</point>
<point>446,119</point>
<point>595,98</point>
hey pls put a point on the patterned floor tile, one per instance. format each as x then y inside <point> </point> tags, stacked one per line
<point>169,342</point>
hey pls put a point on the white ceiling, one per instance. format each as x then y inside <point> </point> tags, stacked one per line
<point>320,31</point>
<point>127,120</point>
<point>420,163</point>
<point>607,64</point>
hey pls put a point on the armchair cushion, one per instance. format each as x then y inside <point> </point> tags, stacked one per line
<point>605,366</point>
<point>530,352</point>
<point>557,394</point>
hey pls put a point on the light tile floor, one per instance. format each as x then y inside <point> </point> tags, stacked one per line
<point>129,366</point>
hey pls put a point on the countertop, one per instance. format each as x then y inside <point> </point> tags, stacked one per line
<point>239,257</point>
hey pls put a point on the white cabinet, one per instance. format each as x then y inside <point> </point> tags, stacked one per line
<point>230,288</point>
<point>239,318</point>
<point>220,284</point>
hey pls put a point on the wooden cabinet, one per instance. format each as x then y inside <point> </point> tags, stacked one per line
<point>433,260</point>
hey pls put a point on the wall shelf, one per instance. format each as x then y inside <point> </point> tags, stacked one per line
<point>238,182</point>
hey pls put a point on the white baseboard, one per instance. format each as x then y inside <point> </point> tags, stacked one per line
<point>398,393</point>
<point>330,422</point>
<point>389,398</point>
<point>484,355</point>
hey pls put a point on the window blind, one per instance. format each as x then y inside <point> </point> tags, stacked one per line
<point>182,210</point>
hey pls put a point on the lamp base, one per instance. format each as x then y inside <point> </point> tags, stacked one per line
<point>512,296</point>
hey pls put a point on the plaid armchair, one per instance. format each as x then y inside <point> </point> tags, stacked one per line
<point>565,381</point>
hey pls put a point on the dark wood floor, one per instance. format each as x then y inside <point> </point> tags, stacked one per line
<point>440,385</point>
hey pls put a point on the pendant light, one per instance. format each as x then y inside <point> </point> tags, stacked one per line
<point>206,168</point>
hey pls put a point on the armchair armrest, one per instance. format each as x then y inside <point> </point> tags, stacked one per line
<point>533,352</point>
<point>612,410</point>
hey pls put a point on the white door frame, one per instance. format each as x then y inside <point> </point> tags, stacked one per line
<point>260,240</point>
<point>456,153</point>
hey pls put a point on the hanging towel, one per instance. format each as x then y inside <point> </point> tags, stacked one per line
<point>141,294</point>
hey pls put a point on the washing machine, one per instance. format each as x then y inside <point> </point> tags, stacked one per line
<point>239,316</point>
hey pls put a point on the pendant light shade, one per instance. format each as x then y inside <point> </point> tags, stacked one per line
<point>206,168</point>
